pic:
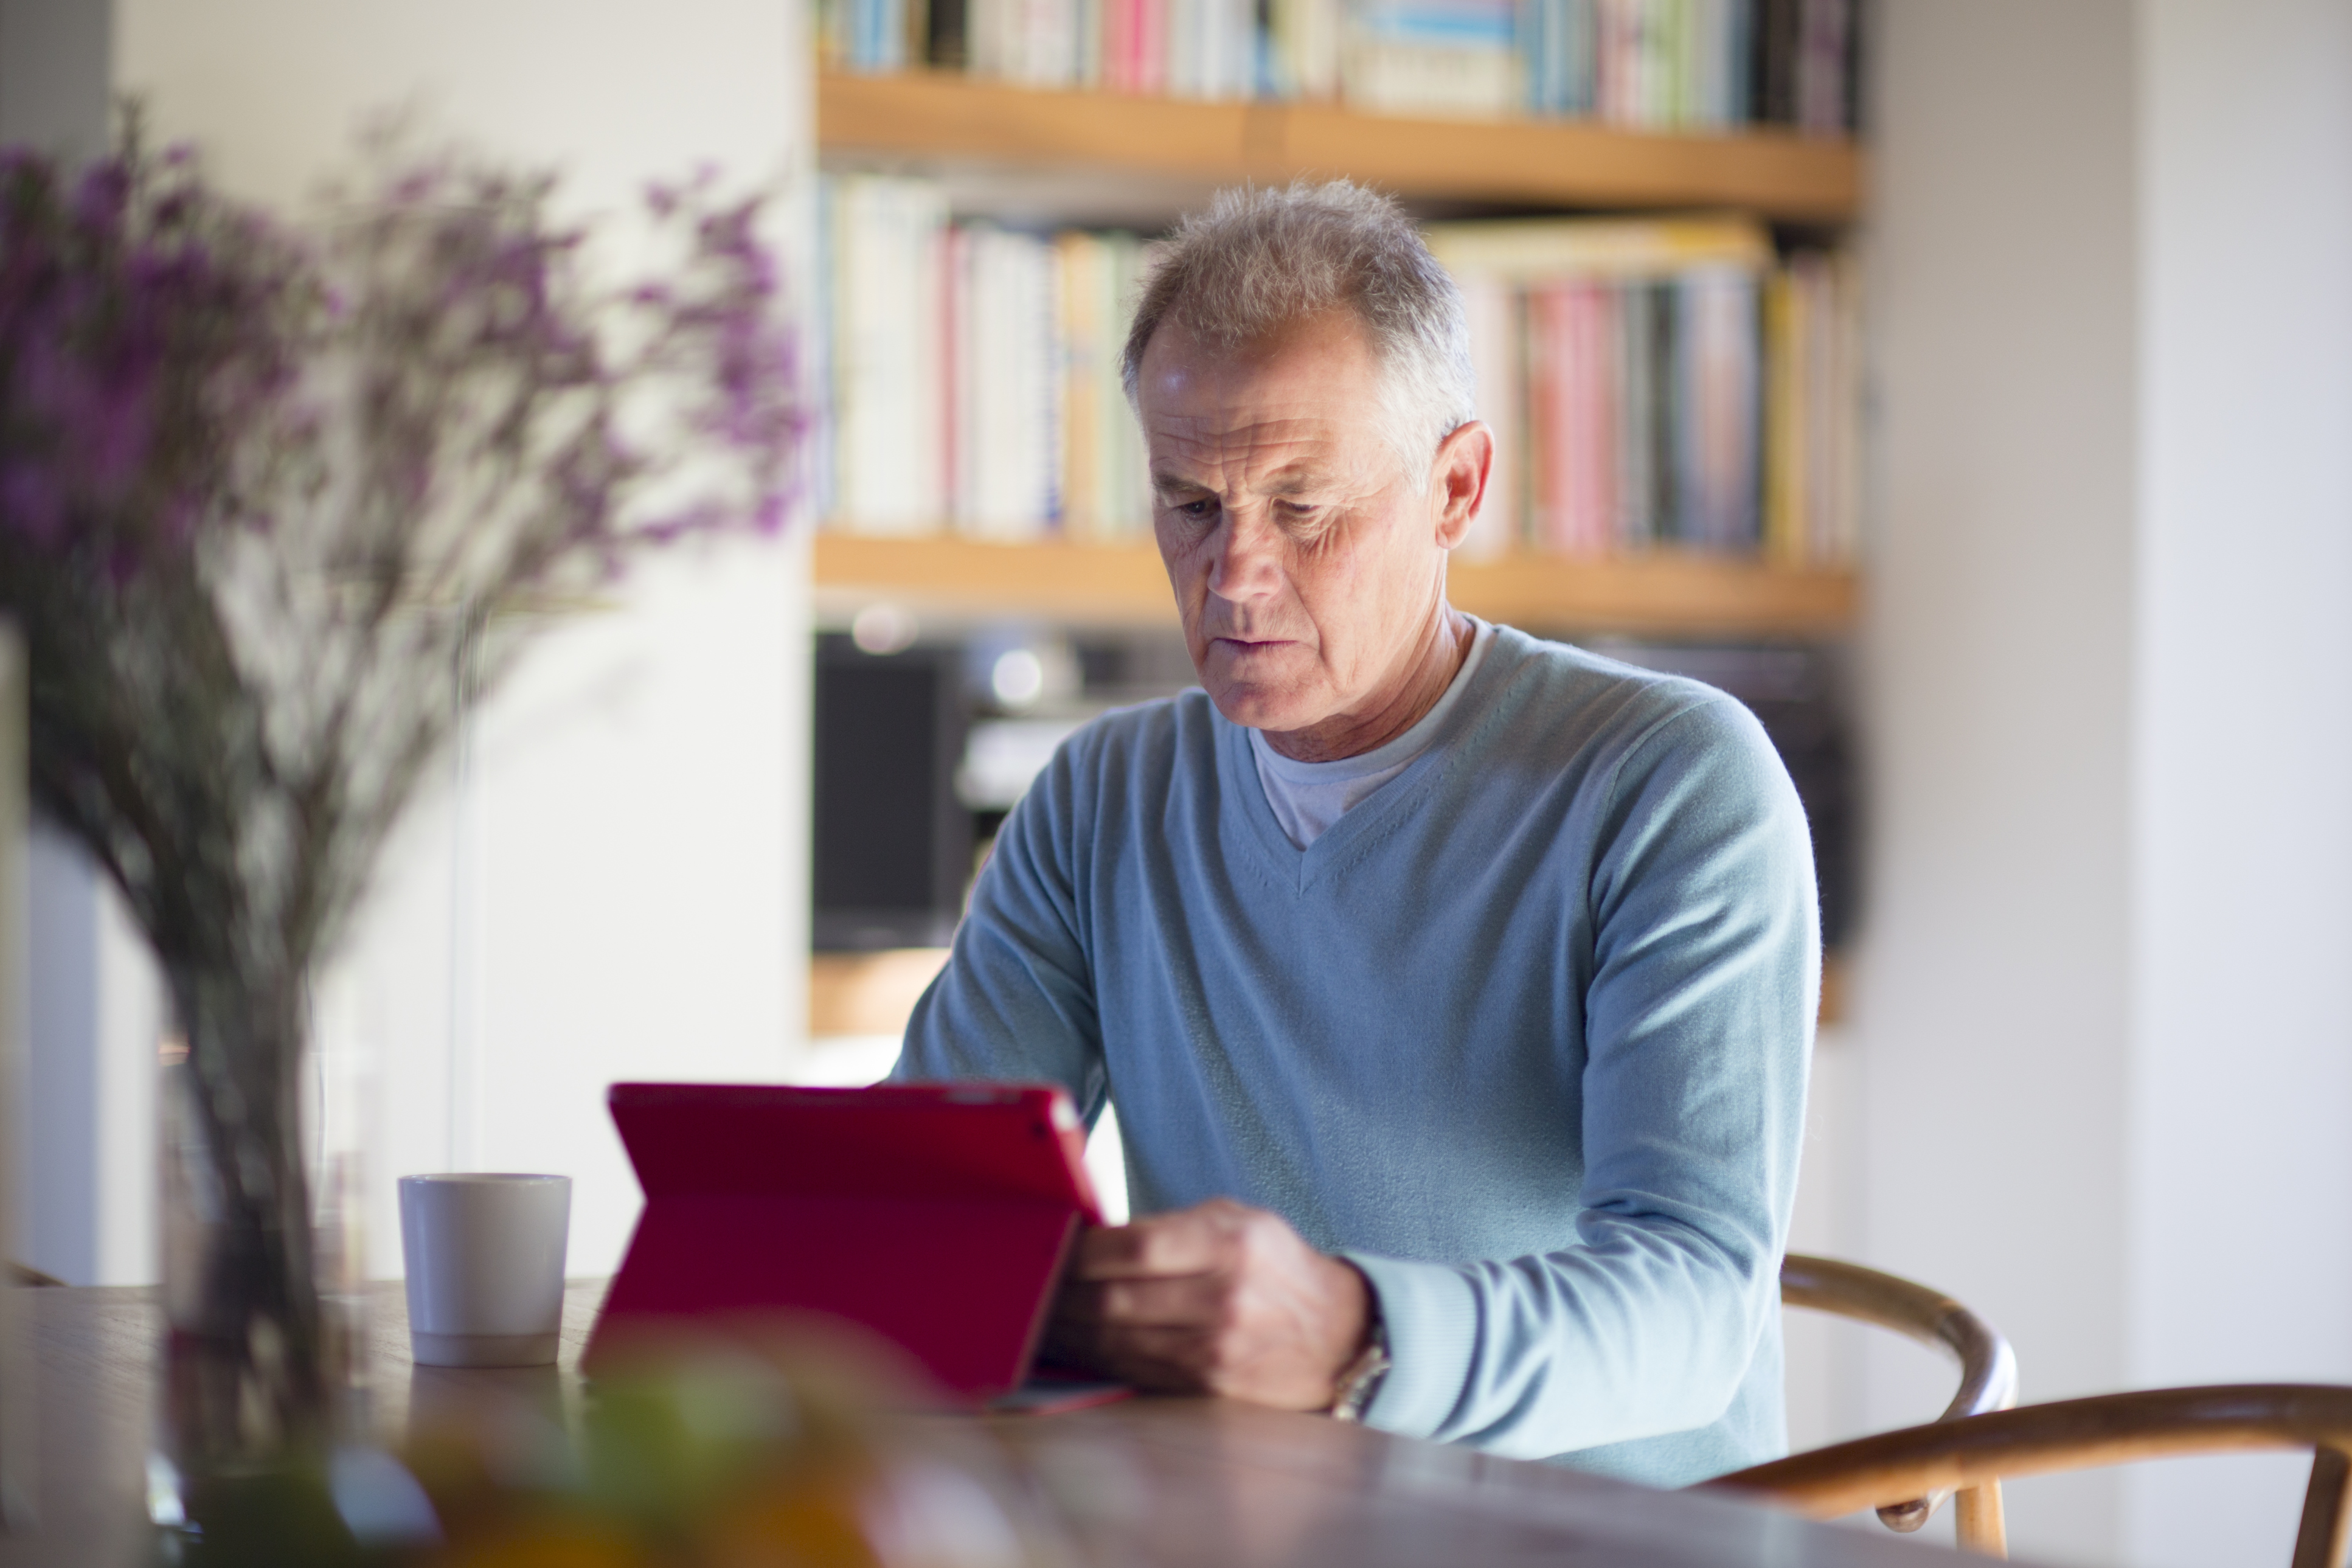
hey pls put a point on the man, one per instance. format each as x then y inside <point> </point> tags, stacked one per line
<point>1455,988</point>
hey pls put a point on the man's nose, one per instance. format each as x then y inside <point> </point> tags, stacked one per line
<point>1248,562</point>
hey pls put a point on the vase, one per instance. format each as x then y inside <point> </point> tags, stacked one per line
<point>262,1307</point>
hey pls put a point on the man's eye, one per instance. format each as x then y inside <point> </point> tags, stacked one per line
<point>1197,509</point>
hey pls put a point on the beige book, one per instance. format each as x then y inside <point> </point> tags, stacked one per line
<point>1539,250</point>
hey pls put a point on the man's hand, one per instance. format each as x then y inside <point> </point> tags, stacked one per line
<point>1220,1298</point>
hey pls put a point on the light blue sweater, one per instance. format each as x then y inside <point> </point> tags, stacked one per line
<point>1524,1036</point>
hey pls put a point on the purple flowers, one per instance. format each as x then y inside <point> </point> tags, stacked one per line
<point>263,487</point>
<point>270,500</point>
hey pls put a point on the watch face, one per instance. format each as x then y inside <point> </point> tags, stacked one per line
<point>1361,1381</point>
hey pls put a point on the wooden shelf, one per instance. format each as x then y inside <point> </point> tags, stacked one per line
<point>950,117</point>
<point>1667,592</point>
<point>1663,593</point>
<point>869,993</point>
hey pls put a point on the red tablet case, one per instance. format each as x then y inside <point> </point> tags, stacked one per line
<point>935,1214</point>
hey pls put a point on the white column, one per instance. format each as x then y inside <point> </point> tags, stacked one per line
<point>1991,1004</point>
<point>2241,1170</point>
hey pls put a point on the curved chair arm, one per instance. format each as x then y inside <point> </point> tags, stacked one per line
<point>1988,1366</point>
<point>2077,1434</point>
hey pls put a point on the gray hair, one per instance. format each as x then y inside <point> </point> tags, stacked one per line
<point>1259,259</point>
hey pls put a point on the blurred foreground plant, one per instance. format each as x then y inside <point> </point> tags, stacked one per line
<point>762,1450</point>
<point>268,496</point>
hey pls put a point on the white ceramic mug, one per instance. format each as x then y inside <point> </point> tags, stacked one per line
<point>485,1255</point>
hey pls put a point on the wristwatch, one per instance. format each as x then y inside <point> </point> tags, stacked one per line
<point>1361,1380</point>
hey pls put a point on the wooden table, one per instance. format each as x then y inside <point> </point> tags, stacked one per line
<point>1159,1483</point>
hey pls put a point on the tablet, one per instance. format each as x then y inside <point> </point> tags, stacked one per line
<point>938,1215</point>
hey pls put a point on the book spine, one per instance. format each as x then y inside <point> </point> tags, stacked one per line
<point>1719,351</point>
<point>1153,25</point>
<point>1135,510</point>
<point>1630,398</point>
<point>1738,50</point>
<point>1661,300</point>
<point>1048,435</point>
<point>1822,66</point>
<point>1547,363</point>
<point>1579,26</point>
<point>1494,337</point>
<point>1784,440</point>
<point>1844,415</point>
<point>833,24</point>
<point>1321,27</point>
<point>1667,38</point>
<point>944,35</point>
<point>964,335</point>
<point>1077,267</point>
<point>1773,90</point>
<point>1599,416</point>
<point>1086,68</point>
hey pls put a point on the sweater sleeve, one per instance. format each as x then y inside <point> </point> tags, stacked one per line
<point>1016,1002</point>
<point>1698,1019</point>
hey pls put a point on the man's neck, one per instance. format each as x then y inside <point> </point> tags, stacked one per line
<point>1437,660</point>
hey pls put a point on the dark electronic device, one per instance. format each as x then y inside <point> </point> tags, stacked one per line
<point>893,844</point>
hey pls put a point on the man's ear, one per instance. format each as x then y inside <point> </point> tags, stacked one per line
<point>1458,480</point>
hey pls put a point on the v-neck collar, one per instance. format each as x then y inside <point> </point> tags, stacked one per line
<point>1245,794</point>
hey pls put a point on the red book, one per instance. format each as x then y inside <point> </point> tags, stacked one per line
<point>1571,416</point>
<point>938,1215</point>
<point>1586,455</point>
<point>1119,45</point>
<point>1150,36</point>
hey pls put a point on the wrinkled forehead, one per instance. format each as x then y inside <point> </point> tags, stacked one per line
<point>1311,392</point>
<point>1208,450</point>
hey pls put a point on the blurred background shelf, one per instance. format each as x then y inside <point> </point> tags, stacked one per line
<point>1666,593</point>
<point>950,118</point>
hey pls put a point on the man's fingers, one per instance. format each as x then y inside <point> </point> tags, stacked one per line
<point>1163,1360</point>
<point>1184,1300</point>
<point>1197,1240</point>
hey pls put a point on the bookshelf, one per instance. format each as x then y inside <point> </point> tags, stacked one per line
<point>947,116</point>
<point>1660,593</point>
<point>1042,157</point>
<point>946,123</point>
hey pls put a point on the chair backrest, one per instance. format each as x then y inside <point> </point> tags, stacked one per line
<point>2078,1434</point>
<point>1988,1366</point>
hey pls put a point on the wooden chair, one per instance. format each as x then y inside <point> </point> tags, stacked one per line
<point>2077,1434</point>
<point>1987,1368</point>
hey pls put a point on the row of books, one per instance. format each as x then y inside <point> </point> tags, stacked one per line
<point>1697,64</point>
<point>974,371</point>
<point>1661,382</point>
<point>1649,383</point>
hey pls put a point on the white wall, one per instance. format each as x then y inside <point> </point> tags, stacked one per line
<point>1992,995</point>
<point>87,1138</point>
<point>2103,1008</point>
<point>2242,1104</point>
<point>81,1136</point>
<point>628,896</point>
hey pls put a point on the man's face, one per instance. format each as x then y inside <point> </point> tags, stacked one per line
<point>1308,569</point>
